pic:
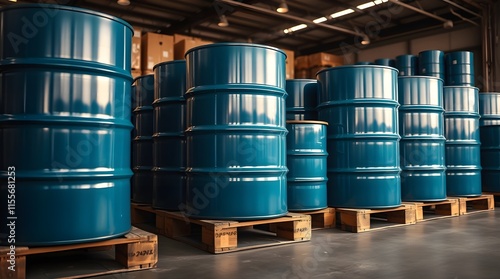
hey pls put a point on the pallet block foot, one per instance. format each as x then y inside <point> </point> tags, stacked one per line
<point>359,220</point>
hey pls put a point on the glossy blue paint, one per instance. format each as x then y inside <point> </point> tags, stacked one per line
<point>169,150</point>
<point>142,143</point>
<point>385,62</point>
<point>489,107</point>
<point>306,161</point>
<point>363,63</point>
<point>302,99</point>
<point>463,163</point>
<point>65,123</point>
<point>421,123</point>
<point>431,63</point>
<point>407,65</point>
<point>459,68</point>
<point>236,134</point>
<point>360,104</point>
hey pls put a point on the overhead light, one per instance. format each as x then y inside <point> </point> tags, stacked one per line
<point>13,0</point>
<point>223,21</point>
<point>448,24</point>
<point>123,2</point>
<point>283,7</point>
<point>295,28</point>
<point>365,40</point>
<point>342,13</point>
<point>366,5</point>
<point>320,20</point>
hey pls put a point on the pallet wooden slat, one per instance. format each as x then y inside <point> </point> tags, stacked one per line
<point>136,250</point>
<point>438,210</point>
<point>496,197</point>
<point>221,236</point>
<point>476,204</point>
<point>359,220</point>
<point>321,219</point>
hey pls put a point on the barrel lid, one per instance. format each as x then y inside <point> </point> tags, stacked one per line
<point>169,63</point>
<point>67,8</point>
<point>143,76</point>
<point>357,67</point>
<point>307,122</point>
<point>233,44</point>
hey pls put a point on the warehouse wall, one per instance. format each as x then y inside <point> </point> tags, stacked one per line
<point>463,39</point>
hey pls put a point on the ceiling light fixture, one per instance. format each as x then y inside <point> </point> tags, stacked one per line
<point>223,21</point>
<point>13,0</point>
<point>123,2</point>
<point>342,13</point>
<point>320,20</point>
<point>283,7</point>
<point>365,40</point>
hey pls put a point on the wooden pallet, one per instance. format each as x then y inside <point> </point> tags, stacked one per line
<point>476,204</point>
<point>136,250</point>
<point>426,211</point>
<point>361,220</point>
<point>222,236</point>
<point>321,219</point>
<point>496,197</point>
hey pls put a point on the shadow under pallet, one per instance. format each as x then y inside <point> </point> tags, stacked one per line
<point>222,236</point>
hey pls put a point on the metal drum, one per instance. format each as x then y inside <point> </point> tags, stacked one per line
<point>360,105</point>
<point>489,108</point>
<point>459,68</point>
<point>169,147</point>
<point>236,134</point>
<point>421,123</point>
<point>364,63</point>
<point>302,99</point>
<point>65,123</point>
<point>407,65</point>
<point>385,62</point>
<point>431,63</point>
<point>463,163</point>
<point>306,161</point>
<point>142,143</point>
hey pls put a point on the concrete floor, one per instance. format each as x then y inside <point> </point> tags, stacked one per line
<point>460,247</point>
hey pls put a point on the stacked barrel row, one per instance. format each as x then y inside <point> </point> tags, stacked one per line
<point>489,106</point>
<point>64,124</point>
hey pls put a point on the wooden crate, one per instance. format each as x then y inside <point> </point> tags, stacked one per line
<point>222,236</point>
<point>426,211</point>
<point>496,197</point>
<point>321,219</point>
<point>134,251</point>
<point>476,204</point>
<point>361,220</point>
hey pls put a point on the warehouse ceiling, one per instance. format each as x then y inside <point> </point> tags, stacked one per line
<point>309,25</point>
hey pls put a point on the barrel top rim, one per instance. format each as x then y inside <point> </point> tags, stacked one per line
<point>461,86</point>
<point>234,44</point>
<point>407,55</point>
<point>431,50</point>
<point>68,8</point>
<point>420,77</point>
<point>179,61</point>
<point>357,66</point>
<point>143,76</point>
<point>307,122</point>
<point>312,80</point>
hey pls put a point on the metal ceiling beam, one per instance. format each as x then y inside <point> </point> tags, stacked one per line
<point>448,23</point>
<point>462,8</point>
<point>290,17</point>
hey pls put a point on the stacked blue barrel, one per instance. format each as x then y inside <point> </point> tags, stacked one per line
<point>462,141</point>
<point>302,99</point>
<point>431,63</point>
<point>359,102</point>
<point>421,124</point>
<point>65,124</point>
<point>459,68</point>
<point>385,62</point>
<point>407,65</point>
<point>236,134</point>
<point>142,142</point>
<point>169,142</point>
<point>489,107</point>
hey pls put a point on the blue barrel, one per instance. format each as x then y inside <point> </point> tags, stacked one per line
<point>142,142</point>
<point>463,147</point>
<point>407,65</point>
<point>459,68</point>
<point>385,62</point>
<point>431,63</point>
<point>421,123</point>
<point>306,161</point>
<point>236,134</point>
<point>65,124</point>
<point>169,142</point>
<point>360,105</point>
<point>302,99</point>
<point>489,108</point>
<point>364,63</point>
